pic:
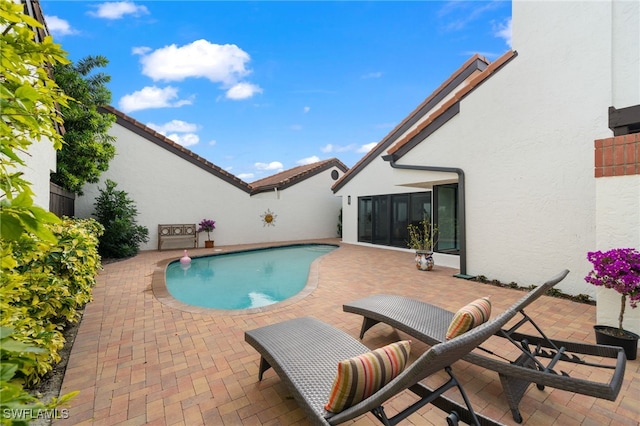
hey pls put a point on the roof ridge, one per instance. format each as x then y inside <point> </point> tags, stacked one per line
<point>457,97</point>
<point>388,139</point>
<point>295,174</point>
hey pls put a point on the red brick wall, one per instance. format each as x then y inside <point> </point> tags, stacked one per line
<point>617,156</point>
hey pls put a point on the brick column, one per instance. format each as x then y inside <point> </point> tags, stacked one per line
<point>617,156</point>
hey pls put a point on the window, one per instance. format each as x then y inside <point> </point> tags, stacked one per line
<point>383,219</point>
<point>446,218</point>
<point>364,220</point>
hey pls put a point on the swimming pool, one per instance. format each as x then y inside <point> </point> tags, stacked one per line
<point>246,279</point>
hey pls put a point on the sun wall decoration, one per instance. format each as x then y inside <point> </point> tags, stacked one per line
<point>268,218</point>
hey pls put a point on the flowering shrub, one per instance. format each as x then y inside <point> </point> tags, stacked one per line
<point>207,225</point>
<point>618,269</point>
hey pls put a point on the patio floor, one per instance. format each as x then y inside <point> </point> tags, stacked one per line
<point>140,358</point>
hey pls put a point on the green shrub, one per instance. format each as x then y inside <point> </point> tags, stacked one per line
<point>18,406</point>
<point>43,285</point>
<point>117,213</point>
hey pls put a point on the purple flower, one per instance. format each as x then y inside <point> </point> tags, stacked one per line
<point>618,269</point>
<point>207,225</point>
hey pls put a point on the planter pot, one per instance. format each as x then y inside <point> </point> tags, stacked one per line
<point>606,335</point>
<point>208,244</point>
<point>424,260</point>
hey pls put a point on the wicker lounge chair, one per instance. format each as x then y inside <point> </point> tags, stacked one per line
<point>305,353</point>
<point>539,358</point>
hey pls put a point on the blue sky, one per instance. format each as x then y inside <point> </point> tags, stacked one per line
<point>260,87</point>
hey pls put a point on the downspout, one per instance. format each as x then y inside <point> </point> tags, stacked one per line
<point>461,204</point>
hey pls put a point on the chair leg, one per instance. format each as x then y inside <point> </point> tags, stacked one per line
<point>514,390</point>
<point>367,323</point>
<point>264,366</point>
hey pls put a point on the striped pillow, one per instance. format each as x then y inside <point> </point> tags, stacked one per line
<point>362,376</point>
<point>471,315</point>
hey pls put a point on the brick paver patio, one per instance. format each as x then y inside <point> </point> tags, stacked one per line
<point>140,358</point>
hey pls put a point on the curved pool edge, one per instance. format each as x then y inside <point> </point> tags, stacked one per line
<point>161,293</point>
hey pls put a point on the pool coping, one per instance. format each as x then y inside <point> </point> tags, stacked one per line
<point>161,293</point>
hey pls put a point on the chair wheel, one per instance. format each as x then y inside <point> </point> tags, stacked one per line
<point>541,387</point>
<point>453,418</point>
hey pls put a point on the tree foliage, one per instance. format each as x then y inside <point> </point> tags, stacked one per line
<point>88,147</point>
<point>117,213</point>
<point>29,101</point>
<point>28,111</point>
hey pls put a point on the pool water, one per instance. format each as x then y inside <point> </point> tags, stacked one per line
<point>243,280</point>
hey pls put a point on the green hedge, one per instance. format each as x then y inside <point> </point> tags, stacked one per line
<point>43,287</point>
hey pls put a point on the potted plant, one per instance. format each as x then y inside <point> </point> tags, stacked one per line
<point>422,239</point>
<point>207,225</point>
<point>617,269</point>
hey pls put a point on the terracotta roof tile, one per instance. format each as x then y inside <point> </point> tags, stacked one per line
<point>294,175</point>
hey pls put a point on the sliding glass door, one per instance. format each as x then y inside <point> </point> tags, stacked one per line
<point>383,219</point>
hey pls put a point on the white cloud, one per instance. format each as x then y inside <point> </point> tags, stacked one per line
<point>152,97</point>
<point>456,15</point>
<point>246,176</point>
<point>183,132</point>
<point>218,63</point>
<point>366,147</point>
<point>58,26</point>
<point>306,109</point>
<point>503,31</point>
<point>296,127</point>
<point>308,160</point>
<point>376,74</point>
<point>274,165</point>
<point>337,148</point>
<point>174,126</point>
<point>185,139</point>
<point>140,50</point>
<point>242,91</point>
<point>212,142</point>
<point>118,9</point>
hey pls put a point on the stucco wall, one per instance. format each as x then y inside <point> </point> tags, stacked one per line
<point>41,161</point>
<point>524,139</point>
<point>618,226</point>
<point>168,189</point>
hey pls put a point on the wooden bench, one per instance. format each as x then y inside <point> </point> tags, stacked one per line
<point>178,232</point>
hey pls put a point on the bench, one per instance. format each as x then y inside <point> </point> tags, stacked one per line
<point>178,232</point>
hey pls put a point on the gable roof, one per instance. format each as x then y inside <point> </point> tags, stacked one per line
<point>295,175</point>
<point>438,108</point>
<point>280,180</point>
<point>162,141</point>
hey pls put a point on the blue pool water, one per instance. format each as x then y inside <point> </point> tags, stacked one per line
<point>242,280</point>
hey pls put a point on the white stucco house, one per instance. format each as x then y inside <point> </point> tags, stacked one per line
<point>524,164</point>
<point>172,185</point>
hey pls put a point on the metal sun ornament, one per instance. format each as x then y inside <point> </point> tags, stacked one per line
<point>268,218</point>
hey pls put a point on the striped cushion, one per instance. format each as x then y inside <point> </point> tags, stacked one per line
<point>471,315</point>
<point>362,376</point>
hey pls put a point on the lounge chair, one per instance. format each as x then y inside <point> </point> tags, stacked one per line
<point>538,359</point>
<point>305,354</point>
